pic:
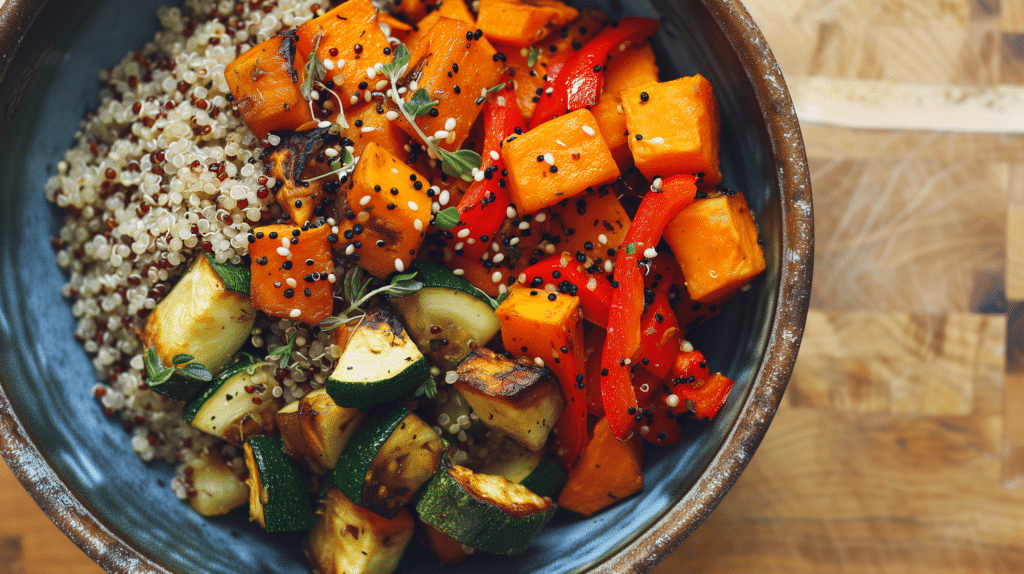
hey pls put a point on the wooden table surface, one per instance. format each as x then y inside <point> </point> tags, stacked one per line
<point>899,446</point>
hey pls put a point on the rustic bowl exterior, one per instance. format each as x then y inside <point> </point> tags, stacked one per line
<point>78,465</point>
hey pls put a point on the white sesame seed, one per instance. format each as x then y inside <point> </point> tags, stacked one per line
<point>413,206</point>
<point>444,197</point>
<point>459,245</point>
<point>339,64</point>
<point>560,142</point>
<point>332,278</point>
<point>371,72</point>
<point>324,124</point>
<point>291,282</point>
<point>350,249</point>
<point>353,100</point>
<point>672,401</point>
<point>499,257</point>
<point>496,276</point>
<point>650,253</point>
<point>495,155</point>
<point>381,85</point>
<point>449,124</point>
<point>657,140</point>
<point>502,289</point>
<point>295,313</point>
<point>367,95</point>
<point>329,64</point>
<point>458,272</point>
<point>510,212</point>
<point>538,361</point>
<point>524,225</point>
<point>440,134</point>
<point>549,159</point>
<point>588,130</point>
<point>549,249</point>
<point>283,252</point>
<point>417,224</point>
<point>463,233</point>
<point>540,217</point>
<point>513,241</point>
<point>479,176</point>
<point>366,199</point>
<point>392,115</point>
<point>521,278</point>
<point>656,184</point>
<point>331,152</point>
<point>367,129</point>
<point>399,266</point>
<point>687,347</point>
<point>608,266</point>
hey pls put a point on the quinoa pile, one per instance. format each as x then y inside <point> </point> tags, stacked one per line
<point>162,171</point>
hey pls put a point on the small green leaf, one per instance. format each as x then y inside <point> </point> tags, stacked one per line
<point>428,388</point>
<point>235,277</point>
<point>197,371</point>
<point>497,88</point>
<point>419,104</point>
<point>396,68</point>
<point>182,359</point>
<point>447,218</point>
<point>404,277</point>
<point>630,248</point>
<point>404,288</point>
<point>330,323</point>
<point>531,59</point>
<point>153,364</point>
<point>352,284</point>
<point>502,297</point>
<point>314,71</point>
<point>459,163</point>
<point>160,376</point>
<point>690,405</point>
<point>284,352</point>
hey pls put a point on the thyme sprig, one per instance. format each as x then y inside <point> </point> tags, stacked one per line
<point>283,354</point>
<point>356,290</point>
<point>182,364</point>
<point>460,163</point>
<point>314,75</point>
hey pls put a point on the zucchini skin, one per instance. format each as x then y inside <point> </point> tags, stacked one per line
<point>447,506</point>
<point>350,472</point>
<point>546,479</point>
<point>287,507</point>
<point>192,407</point>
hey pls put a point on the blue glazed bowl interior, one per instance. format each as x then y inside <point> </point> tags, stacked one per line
<point>48,378</point>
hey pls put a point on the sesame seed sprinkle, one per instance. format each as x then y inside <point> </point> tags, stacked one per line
<point>589,130</point>
<point>399,265</point>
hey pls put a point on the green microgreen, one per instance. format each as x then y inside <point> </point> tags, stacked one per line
<point>283,354</point>
<point>447,218</point>
<point>531,58</point>
<point>182,364</point>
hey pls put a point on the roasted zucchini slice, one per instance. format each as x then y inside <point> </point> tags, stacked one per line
<point>380,363</point>
<point>278,488</point>
<point>529,468</point>
<point>387,460</point>
<point>239,403</point>
<point>349,539</point>
<point>483,511</point>
<point>517,398</point>
<point>315,429</point>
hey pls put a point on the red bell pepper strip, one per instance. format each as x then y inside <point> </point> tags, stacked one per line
<point>689,366</point>
<point>659,337</point>
<point>704,398</point>
<point>483,208</point>
<point>569,276</point>
<point>623,333</point>
<point>578,84</point>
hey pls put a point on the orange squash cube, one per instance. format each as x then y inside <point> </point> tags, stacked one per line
<point>290,269</point>
<point>596,218</point>
<point>265,83</point>
<point>674,129</point>
<point>387,210</point>
<point>523,22</point>
<point>609,470</point>
<point>715,242</point>
<point>369,123</point>
<point>558,160</point>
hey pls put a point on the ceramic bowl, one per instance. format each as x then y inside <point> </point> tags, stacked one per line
<point>79,465</point>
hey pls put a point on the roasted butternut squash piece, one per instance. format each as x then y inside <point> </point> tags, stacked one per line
<point>523,22</point>
<point>454,9</point>
<point>351,34</point>
<point>558,160</point>
<point>369,123</point>
<point>265,84</point>
<point>414,10</point>
<point>454,66</point>
<point>385,214</point>
<point>628,69</point>
<point>398,29</point>
<point>715,242</point>
<point>295,163</point>
<point>608,471</point>
<point>673,129</point>
<point>291,269</point>
<point>593,223</point>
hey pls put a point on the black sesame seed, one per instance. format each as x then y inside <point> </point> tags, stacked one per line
<point>289,293</point>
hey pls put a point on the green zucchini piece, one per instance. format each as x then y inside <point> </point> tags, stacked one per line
<point>380,363</point>
<point>278,488</point>
<point>448,317</point>
<point>179,387</point>
<point>387,460</point>
<point>348,539</point>
<point>529,468</point>
<point>239,403</point>
<point>201,317</point>
<point>515,397</point>
<point>486,512</point>
<point>236,278</point>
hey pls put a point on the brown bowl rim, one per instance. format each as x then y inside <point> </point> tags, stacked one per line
<point>115,555</point>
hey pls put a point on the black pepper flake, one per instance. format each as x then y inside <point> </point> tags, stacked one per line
<point>639,137</point>
<point>332,238</point>
<point>272,235</point>
<point>552,296</point>
<point>307,292</point>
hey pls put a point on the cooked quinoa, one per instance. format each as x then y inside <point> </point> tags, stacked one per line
<point>163,170</point>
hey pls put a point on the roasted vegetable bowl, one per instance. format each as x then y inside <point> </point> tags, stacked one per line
<point>400,319</point>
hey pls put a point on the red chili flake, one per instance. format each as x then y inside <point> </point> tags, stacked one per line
<point>333,52</point>
<point>169,105</point>
<point>159,156</point>
<point>183,86</point>
<point>250,389</point>
<point>194,229</point>
<point>257,401</point>
<point>282,374</point>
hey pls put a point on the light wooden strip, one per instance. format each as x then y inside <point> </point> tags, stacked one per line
<point>900,363</point>
<point>875,104</point>
<point>1011,15</point>
<point>830,142</point>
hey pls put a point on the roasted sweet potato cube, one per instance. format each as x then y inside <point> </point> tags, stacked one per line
<point>369,123</point>
<point>414,10</point>
<point>349,33</point>
<point>290,269</point>
<point>674,129</point>
<point>595,218</point>
<point>608,471</point>
<point>454,66</point>
<point>454,9</point>
<point>523,22</point>
<point>518,398</point>
<point>265,83</point>
<point>296,163</point>
<point>715,242</point>
<point>631,68</point>
<point>387,210</point>
<point>558,160</point>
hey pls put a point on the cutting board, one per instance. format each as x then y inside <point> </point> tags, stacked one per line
<point>899,446</point>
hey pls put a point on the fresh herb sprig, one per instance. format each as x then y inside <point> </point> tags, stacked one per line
<point>460,163</point>
<point>338,166</point>
<point>314,75</point>
<point>182,364</point>
<point>356,290</point>
<point>283,354</point>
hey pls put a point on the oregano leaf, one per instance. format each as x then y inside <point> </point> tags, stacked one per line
<point>447,219</point>
<point>459,163</point>
<point>420,103</point>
